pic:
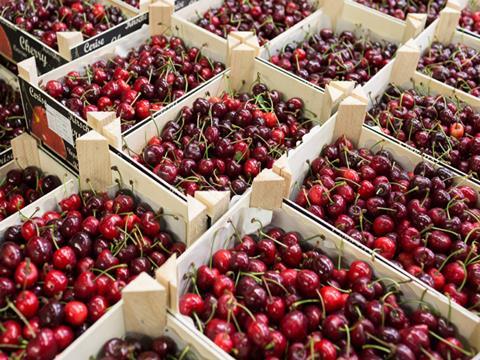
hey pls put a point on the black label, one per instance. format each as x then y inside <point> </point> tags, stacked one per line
<point>54,125</point>
<point>6,156</point>
<point>19,45</point>
<point>109,36</point>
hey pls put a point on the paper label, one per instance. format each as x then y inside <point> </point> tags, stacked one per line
<point>59,124</point>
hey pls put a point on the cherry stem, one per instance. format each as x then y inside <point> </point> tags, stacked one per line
<point>438,337</point>
<point>324,311</point>
<point>247,310</point>
<point>184,352</point>
<point>22,317</point>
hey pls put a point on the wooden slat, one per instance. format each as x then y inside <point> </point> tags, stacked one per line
<point>145,306</point>
<point>268,189</point>
<point>25,151</point>
<point>66,41</point>
<point>94,161</point>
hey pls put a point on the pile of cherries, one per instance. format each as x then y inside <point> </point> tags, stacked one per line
<point>270,297</point>
<point>267,19</point>
<point>134,3</point>
<point>62,270</point>
<point>436,125</point>
<point>142,348</point>
<point>44,18</point>
<point>12,120</point>
<point>456,65</point>
<point>420,220</point>
<point>21,187</point>
<point>470,20</point>
<point>222,143</point>
<point>401,8</point>
<point>327,56</point>
<point>138,84</point>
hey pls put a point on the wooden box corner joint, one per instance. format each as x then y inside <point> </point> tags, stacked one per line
<point>160,16</point>
<point>350,117</point>
<point>242,48</point>
<point>94,162</point>
<point>66,41</point>
<point>145,306</point>
<point>27,70</point>
<point>268,190</point>
<point>447,24</point>
<point>166,275</point>
<point>25,151</point>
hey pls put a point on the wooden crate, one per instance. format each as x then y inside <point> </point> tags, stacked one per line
<point>58,127</point>
<point>403,74</point>
<point>238,220</point>
<point>186,17</point>
<point>26,152</point>
<point>411,18</point>
<point>348,121</point>
<point>142,311</point>
<point>445,30</point>
<point>96,162</point>
<point>345,15</point>
<point>465,4</point>
<point>243,72</point>
<point>7,154</point>
<point>71,45</point>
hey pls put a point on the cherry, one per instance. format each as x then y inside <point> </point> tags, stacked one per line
<point>27,303</point>
<point>236,16</point>
<point>43,346</point>
<point>76,313</point>
<point>294,326</point>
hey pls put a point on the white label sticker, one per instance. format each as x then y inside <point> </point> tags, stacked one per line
<point>59,124</point>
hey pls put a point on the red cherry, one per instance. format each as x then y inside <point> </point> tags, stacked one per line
<point>55,282</point>
<point>76,313</point>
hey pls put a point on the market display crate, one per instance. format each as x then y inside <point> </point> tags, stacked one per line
<point>188,16</point>
<point>18,45</point>
<point>424,10</point>
<point>101,172</point>
<point>469,20</point>
<point>348,123</point>
<point>57,126</point>
<point>25,152</point>
<point>456,65</point>
<point>245,71</point>
<point>243,220</point>
<point>404,77</point>
<point>10,88</point>
<point>141,313</point>
<point>290,51</point>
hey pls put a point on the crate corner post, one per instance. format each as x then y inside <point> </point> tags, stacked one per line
<point>196,223</point>
<point>217,202</point>
<point>66,41</point>
<point>281,167</point>
<point>414,25</point>
<point>25,151</point>
<point>94,161</point>
<point>334,93</point>
<point>350,116</point>
<point>28,71</point>
<point>268,189</point>
<point>333,9</point>
<point>160,13</point>
<point>405,63</point>
<point>242,48</point>
<point>145,306</point>
<point>166,275</point>
<point>447,24</point>
<point>107,124</point>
